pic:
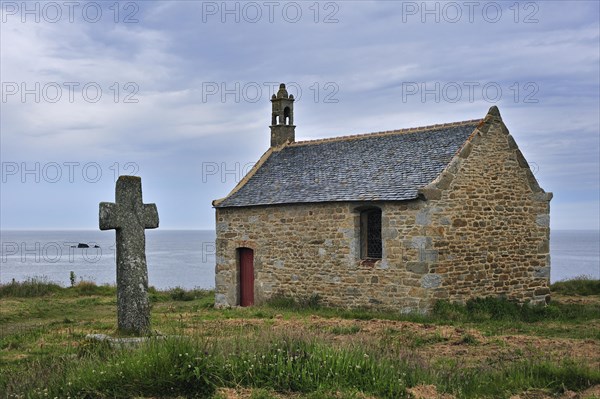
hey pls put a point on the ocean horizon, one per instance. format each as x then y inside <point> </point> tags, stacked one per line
<point>186,258</point>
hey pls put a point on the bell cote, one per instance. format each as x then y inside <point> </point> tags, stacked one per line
<point>282,118</point>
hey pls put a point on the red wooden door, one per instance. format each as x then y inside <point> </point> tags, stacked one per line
<point>246,277</point>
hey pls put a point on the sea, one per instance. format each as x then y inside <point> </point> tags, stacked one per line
<point>186,258</point>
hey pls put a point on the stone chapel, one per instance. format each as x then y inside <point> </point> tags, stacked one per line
<point>394,220</point>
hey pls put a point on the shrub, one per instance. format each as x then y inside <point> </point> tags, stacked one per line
<point>311,302</point>
<point>179,294</point>
<point>448,310</point>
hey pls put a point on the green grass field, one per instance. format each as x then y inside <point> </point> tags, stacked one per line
<point>286,349</point>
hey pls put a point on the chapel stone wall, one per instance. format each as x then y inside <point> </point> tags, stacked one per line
<point>481,229</point>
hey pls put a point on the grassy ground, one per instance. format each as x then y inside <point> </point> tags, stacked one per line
<point>488,348</point>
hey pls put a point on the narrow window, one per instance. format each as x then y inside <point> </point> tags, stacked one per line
<point>370,234</point>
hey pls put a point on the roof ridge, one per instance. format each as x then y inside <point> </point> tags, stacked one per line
<point>385,133</point>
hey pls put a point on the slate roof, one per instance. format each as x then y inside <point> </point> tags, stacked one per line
<point>385,166</point>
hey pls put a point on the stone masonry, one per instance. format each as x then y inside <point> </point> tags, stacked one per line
<point>480,229</point>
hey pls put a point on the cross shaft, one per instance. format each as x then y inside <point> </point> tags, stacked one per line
<point>129,216</point>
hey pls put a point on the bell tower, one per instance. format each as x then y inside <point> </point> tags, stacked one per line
<point>282,118</point>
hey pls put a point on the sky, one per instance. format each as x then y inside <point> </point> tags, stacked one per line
<point>178,93</point>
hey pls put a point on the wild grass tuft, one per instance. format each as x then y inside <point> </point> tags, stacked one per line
<point>581,285</point>
<point>86,288</point>
<point>497,309</point>
<point>345,330</point>
<point>195,367</point>
<point>58,362</point>
<point>180,294</point>
<point>283,302</point>
<point>32,287</point>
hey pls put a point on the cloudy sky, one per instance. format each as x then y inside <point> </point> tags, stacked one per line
<point>178,93</point>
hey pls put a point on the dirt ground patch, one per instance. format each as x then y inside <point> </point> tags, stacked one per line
<point>590,393</point>
<point>427,392</point>
<point>230,393</point>
<point>578,299</point>
<point>429,341</point>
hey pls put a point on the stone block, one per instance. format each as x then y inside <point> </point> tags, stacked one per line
<point>428,255</point>
<point>221,301</point>
<point>543,220</point>
<point>459,223</point>
<point>543,247</point>
<point>454,165</point>
<point>417,267</point>
<point>222,227</point>
<point>383,264</point>
<point>423,218</point>
<point>430,193</point>
<point>542,272</point>
<point>420,242</point>
<point>465,151</point>
<point>431,281</point>
<point>389,233</point>
<point>521,159</point>
<point>444,180</point>
<point>532,181</point>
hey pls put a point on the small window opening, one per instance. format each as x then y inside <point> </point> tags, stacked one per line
<point>370,234</point>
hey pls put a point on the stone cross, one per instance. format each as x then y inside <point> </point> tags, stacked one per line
<point>130,216</point>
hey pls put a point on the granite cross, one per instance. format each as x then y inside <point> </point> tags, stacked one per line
<point>130,216</point>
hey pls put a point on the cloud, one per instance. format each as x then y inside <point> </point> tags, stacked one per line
<point>353,74</point>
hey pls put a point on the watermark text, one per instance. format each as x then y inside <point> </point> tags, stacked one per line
<point>453,12</point>
<point>253,92</point>
<point>453,92</point>
<point>253,12</point>
<point>53,92</point>
<point>70,11</point>
<point>54,172</point>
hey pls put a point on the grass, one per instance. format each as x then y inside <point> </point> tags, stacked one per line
<point>303,303</point>
<point>493,316</point>
<point>582,285</point>
<point>343,330</point>
<point>485,309</point>
<point>30,288</point>
<point>40,287</point>
<point>196,368</point>
<point>288,346</point>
